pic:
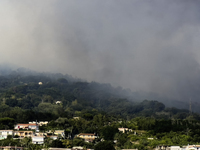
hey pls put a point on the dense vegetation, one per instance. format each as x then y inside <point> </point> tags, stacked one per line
<point>101,109</point>
<point>23,99</point>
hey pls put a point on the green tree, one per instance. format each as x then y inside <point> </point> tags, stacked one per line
<point>105,145</point>
<point>108,132</point>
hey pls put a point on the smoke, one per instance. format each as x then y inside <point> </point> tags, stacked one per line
<point>150,46</point>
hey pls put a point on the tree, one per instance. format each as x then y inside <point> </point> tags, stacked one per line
<point>122,139</point>
<point>57,143</point>
<point>62,80</point>
<point>7,123</point>
<point>108,132</point>
<point>105,145</point>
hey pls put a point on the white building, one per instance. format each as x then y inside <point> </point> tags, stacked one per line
<point>38,139</point>
<point>54,137</point>
<point>40,123</point>
<point>5,133</point>
<point>175,148</point>
<point>88,137</point>
<point>125,130</point>
<point>57,148</point>
<point>192,147</point>
<point>58,102</point>
<point>33,126</point>
<point>60,132</point>
<point>78,147</point>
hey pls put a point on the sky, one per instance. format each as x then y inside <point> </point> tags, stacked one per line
<point>150,46</point>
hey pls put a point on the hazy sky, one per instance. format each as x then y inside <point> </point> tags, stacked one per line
<point>149,45</point>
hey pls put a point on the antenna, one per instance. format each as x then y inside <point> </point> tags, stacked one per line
<point>190,107</point>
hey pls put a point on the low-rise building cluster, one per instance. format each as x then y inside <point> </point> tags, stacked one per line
<point>31,130</point>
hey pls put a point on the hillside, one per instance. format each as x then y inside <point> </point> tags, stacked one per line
<point>20,91</point>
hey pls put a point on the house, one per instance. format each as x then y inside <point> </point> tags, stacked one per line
<point>77,148</point>
<point>192,147</point>
<point>162,147</point>
<point>130,149</point>
<point>21,126</point>
<point>54,137</point>
<point>175,148</point>
<point>57,149</point>
<point>40,123</point>
<point>40,134</point>
<point>125,130</point>
<point>11,148</point>
<point>58,102</point>
<point>23,134</point>
<point>32,122</point>
<point>88,137</point>
<point>32,126</point>
<point>60,132</point>
<point>74,148</point>
<point>76,118</point>
<point>170,148</point>
<point>38,139</point>
<point>5,133</point>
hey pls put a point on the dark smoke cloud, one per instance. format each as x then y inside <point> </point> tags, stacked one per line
<point>151,46</point>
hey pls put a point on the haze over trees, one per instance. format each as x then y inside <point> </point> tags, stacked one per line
<point>27,96</point>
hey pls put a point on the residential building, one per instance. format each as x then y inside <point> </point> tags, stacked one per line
<point>125,130</point>
<point>23,134</point>
<point>5,133</point>
<point>32,122</point>
<point>175,148</point>
<point>54,137</point>
<point>76,118</point>
<point>88,137</point>
<point>130,149</point>
<point>77,148</point>
<point>60,132</point>
<point>162,148</point>
<point>40,134</point>
<point>58,102</point>
<point>192,147</point>
<point>11,148</point>
<point>150,138</point>
<point>38,139</point>
<point>32,126</point>
<point>57,148</point>
<point>21,126</point>
<point>40,123</point>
